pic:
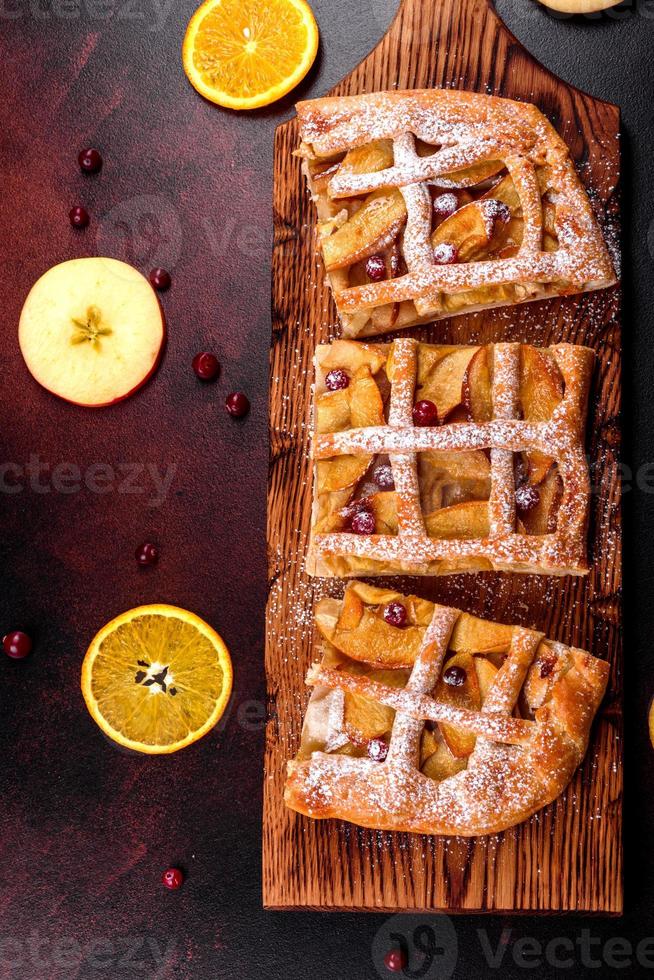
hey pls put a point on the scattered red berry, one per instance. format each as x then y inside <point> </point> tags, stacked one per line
<point>90,160</point>
<point>17,645</point>
<point>172,878</point>
<point>446,253</point>
<point>237,404</point>
<point>363,522</point>
<point>444,205</point>
<point>395,961</point>
<point>160,279</point>
<point>425,413</point>
<point>455,676</point>
<point>336,379</point>
<point>206,366</point>
<point>147,554</point>
<point>377,749</point>
<point>79,217</point>
<point>526,498</point>
<point>395,614</point>
<point>376,268</point>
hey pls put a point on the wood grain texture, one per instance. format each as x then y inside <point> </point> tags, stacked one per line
<point>567,857</point>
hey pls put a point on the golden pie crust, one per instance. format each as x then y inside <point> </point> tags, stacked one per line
<point>472,759</point>
<point>501,482</point>
<point>523,226</point>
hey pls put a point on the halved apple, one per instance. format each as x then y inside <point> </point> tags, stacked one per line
<point>580,6</point>
<point>91,331</point>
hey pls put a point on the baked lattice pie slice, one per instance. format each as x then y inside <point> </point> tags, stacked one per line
<point>426,719</point>
<point>437,459</point>
<point>433,203</point>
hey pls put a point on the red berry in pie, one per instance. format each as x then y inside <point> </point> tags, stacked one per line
<point>425,413</point>
<point>526,498</point>
<point>395,961</point>
<point>383,477</point>
<point>446,253</point>
<point>377,749</point>
<point>172,878</point>
<point>336,379</point>
<point>376,268</point>
<point>395,614</point>
<point>90,160</point>
<point>206,366</point>
<point>237,404</point>
<point>79,217</point>
<point>147,554</point>
<point>455,676</point>
<point>499,211</point>
<point>444,205</point>
<point>17,645</point>
<point>363,522</point>
<point>160,279</point>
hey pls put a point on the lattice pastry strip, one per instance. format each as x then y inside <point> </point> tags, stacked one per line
<point>395,174</point>
<point>436,766</point>
<point>533,402</point>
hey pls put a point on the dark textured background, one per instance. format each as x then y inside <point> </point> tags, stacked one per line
<point>85,829</point>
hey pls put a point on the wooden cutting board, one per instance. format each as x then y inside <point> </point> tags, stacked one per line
<point>569,855</point>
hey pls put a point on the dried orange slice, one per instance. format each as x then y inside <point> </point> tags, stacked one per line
<point>156,678</point>
<point>243,54</point>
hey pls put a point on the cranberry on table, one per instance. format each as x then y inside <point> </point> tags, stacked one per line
<point>395,614</point>
<point>445,205</point>
<point>376,268</point>
<point>425,413</point>
<point>377,749</point>
<point>147,554</point>
<point>237,404</point>
<point>172,878</point>
<point>455,676</point>
<point>526,498</point>
<point>17,644</point>
<point>446,253</point>
<point>79,217</point>
<point>160,279</point>
<point>206,366</point>
<point>363,522</point>
<point>90,160</point>
<point>395,961</point>
<point>336,380</point>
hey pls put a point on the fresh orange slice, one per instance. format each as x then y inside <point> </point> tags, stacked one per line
<point>243,54</point>
<point>156,679</point>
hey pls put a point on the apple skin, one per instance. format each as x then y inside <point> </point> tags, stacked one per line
<point>123,295</point>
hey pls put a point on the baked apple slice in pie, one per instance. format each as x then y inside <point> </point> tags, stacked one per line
<point>433,459</point>
<point>426,719</point>
<point>433,203</point>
